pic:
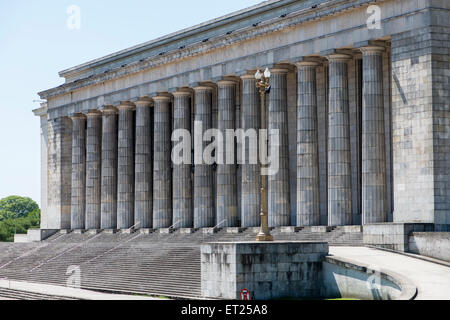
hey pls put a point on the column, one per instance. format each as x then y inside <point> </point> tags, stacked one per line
<point>93,169</point>
<point>339,173</point>
<point>182,182</point>
<point>203,176</point>
<point>374,200</point>
<point>308,198</point>
<point>226,171</point>
<point>251,173</point>
<point>109,168</point>
<point>278,190</point>
<point>143,198</point>
<point>78,171</point>
<point>162,172</point>
<point>125,179</point>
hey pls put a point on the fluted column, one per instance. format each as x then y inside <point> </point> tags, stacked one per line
<point>183,216</point>
<point>93,169</point>
<point>109,168</point>
<point>162,172</point>
<point>78,172</point>
<point>143,198</point>
<point>125,179</point>
<point>203,176</point>
<point>339,171</point>
<point>251,173</point>
<point>226,172</point>
<point>374,198</point>
<point>308,201</point>
<point>278,191</point>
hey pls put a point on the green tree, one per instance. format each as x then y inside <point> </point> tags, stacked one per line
<point>18,213</point>
<point>15,206</point>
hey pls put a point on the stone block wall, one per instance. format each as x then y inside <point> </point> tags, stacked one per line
<point>421,123</point>
<point>268,270</point>
<point>431,244</point>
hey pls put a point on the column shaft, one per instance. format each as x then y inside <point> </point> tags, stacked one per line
<point>109,169</point>
<point>278,183</point>
<point>226,173</point>
<point>125,180</point>
<point>182,181</point>
<point>251,173</point>
<point>93,170</point>
<point>374,197</point>
<point>308,198</point>
<point>78,172</point>
<point>162,173</point>
<point>203,176</point>
<point>339,173</point>
<point>143,201</point>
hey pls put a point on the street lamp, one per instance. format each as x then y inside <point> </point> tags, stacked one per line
<point>263,84</point>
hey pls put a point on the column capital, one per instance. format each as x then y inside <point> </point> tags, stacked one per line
<point>307,64</point>
<point>182,92</point>
<point>339,57</point>
<point>226,83</point>
<point>126,105</point>
<point>371,50</point>
<point>203,88</point>
<point>108,109</point>
<point>144,102</point>
<point>93,113</point>
<point>279,71</point>
<point>77,115</point>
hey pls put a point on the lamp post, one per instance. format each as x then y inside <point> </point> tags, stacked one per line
<point>263,84</point>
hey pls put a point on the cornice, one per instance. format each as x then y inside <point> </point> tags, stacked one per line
<point>290,20</point>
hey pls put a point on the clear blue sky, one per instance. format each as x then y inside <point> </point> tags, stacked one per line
<point>35,43</point>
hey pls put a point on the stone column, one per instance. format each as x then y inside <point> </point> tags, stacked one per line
<point>308,197</point>
<point>203,176</point>
<point>374,197</point>
<point>93,169</point>
<point>143,198</point>
<point>109,168</point>
<point>339,173</point>
<point>278,191</point>
<point>78,171</point>
<point>125,180</point>
<point>226,172</point>
<point>182,182</point>
<point>162,172</point>
<point>251,173</point>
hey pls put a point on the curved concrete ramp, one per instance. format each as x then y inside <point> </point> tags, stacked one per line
<point>432,280</point>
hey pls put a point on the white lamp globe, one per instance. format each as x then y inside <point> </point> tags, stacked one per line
<point>258,75</point>
<point>267,73</point>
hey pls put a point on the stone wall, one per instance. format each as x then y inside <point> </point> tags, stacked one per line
<point>271,270</point>
<point>431,244</point>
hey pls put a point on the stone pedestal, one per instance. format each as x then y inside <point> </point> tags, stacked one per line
<point>394,236</point>
<point>269,270</point>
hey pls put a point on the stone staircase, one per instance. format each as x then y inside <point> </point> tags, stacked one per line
<point>8,294</point>
<point>136,263</point>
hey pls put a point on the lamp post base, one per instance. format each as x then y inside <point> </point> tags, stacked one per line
<point>261,237</point>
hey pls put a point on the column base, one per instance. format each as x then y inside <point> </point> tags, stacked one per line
<point>188,230</point>
<point>317,229</point>
<point>110,231</point>
<point>127,231</point>
<point>145,231</point>
<point>210,230</point>
<point>290,229</point>
<point>166,230</point>
<point>65,231</point>
<point>234,230</point>
<point>79,231</point>
<point>93,231</point>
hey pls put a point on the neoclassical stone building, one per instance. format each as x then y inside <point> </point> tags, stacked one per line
<point>363,114</point>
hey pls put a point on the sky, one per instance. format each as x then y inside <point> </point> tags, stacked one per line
<point>36,43</point>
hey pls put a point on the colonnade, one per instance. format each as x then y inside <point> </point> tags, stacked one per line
<point>123,175</point>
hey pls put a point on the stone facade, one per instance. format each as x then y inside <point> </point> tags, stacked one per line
<point>363,117</point>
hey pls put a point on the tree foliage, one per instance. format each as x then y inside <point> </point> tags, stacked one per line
<point>18,213</point>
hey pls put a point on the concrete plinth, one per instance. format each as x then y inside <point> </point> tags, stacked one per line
<point>394,236</point>
<point>269,270</point>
